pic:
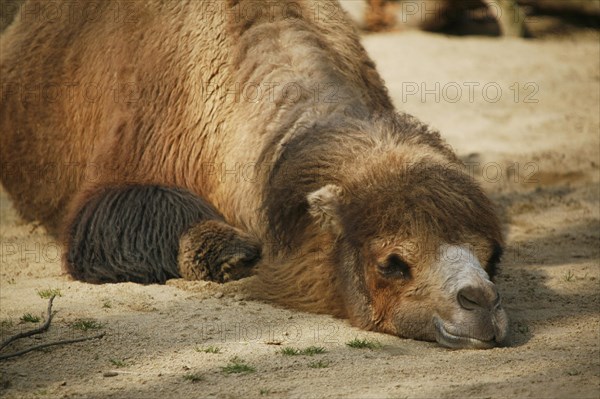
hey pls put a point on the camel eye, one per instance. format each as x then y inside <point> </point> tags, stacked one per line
<point>395,267</point>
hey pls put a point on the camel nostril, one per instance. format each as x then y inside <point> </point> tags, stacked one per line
<point>470,298</point>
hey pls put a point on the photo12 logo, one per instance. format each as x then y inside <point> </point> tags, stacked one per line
<point>74,11</point>
<point>454,92</point>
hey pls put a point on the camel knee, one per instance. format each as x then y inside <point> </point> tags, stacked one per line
<point>215,251</point>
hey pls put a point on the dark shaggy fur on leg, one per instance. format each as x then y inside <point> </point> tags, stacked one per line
<point>132,234</point>
<point>216,251</point>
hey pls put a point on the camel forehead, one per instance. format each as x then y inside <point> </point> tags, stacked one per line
<point>429,206</point>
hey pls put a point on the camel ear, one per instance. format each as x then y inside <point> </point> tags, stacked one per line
<point>324,205</point>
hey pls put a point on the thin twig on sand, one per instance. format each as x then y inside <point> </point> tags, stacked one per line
<point>40,330</point>
<point>35,331</point>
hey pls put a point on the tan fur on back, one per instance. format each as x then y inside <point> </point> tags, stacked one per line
<point>170,121</point>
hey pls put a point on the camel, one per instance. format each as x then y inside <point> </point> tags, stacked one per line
<point>218,140</point>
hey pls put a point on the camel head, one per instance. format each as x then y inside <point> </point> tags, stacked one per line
<point>415,248</point>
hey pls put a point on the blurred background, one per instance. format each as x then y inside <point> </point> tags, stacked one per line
<point>524,18</point>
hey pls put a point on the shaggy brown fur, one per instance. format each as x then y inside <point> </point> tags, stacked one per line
<point>216,251</point>
<point>276,117</point>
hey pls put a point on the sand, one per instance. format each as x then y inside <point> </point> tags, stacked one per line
<point>537,156</point>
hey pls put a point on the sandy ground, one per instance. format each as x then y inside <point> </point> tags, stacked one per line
<point>537,154</point>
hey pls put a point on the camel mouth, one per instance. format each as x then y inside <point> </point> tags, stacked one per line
<point>450,340</point>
